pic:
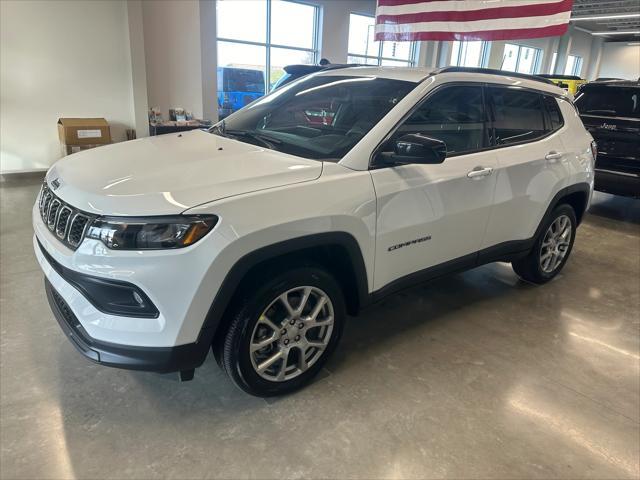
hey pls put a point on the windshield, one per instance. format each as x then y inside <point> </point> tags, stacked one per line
<point>610,102</point>
<point>321,117</point>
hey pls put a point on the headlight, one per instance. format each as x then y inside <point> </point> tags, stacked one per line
<point>152,233</point>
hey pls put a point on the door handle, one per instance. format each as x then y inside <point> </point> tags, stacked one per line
<point>553,155</point>
<point>480,172</point>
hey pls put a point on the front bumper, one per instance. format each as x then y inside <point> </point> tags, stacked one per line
<point>163,360</point>
<point>617,183</point>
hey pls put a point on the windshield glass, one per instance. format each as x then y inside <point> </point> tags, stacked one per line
<point>320,118</point>
<point>610,102</point>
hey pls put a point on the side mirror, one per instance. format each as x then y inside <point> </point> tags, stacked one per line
<point>414,148</point>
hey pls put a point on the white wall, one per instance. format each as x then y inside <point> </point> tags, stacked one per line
<point>173,60</point>
<point>60,59</point>
<point>620,60</point>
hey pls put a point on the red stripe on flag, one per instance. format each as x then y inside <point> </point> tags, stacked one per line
<point>483,14</point>
<point>513,34</point>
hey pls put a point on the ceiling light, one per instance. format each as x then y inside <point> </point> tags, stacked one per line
<point>605,17</point>
<point>618,32</point>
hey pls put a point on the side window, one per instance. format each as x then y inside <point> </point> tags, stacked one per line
<point>553,113</point>
<point>518,115</point>
<point>454,115</point>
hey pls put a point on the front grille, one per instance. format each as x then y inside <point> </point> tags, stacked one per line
<point>67,223</point>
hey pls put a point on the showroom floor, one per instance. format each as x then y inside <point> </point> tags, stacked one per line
<point>475,375</point>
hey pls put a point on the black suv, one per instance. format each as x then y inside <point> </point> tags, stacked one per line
<point>610,110</point>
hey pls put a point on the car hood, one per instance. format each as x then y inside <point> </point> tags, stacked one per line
<point>169,174</point>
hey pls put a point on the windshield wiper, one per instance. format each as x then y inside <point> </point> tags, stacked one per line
<point>221,129</point>
<point>265,140</point>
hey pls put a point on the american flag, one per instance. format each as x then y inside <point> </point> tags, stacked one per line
<point>471,19</point>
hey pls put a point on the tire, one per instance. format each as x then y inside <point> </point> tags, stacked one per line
<point>543,261</point>
<point>262,315</point>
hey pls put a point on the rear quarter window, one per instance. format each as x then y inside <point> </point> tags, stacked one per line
<point>554,116</point>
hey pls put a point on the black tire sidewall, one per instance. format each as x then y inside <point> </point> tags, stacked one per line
<point>236,350</point>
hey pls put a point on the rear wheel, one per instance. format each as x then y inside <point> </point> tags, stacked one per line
<point>552,248</point>
<point>283,331</point>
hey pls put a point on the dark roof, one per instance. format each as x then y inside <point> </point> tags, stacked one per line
<point>613,83</point>
<point>491,71</point>
<point>307,69</point>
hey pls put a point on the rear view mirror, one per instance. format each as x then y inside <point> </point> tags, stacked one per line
<point>415,148</point>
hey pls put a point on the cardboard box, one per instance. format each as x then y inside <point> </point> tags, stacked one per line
<point>83,131</point>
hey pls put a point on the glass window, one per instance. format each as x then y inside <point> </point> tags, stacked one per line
<point>553,112</point>
<point>609,101</point>
<point>361,36</point>
<point>281,57</point>
<point>293,24</point>
<point>363,49</point>
<point>469,54</point>
<point>518,115</point>
<point>510,57</point>
<point>528,59</point>
<point>318,117</point>
<point>363,60</point>
<point>246,44</point>
<point>454,115</point>
<point>521,59</point>
<point>242,20</point>
<point>573,66</point>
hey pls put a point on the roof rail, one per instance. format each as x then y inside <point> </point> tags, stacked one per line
<point>491,71</point>
<point>559,77</point>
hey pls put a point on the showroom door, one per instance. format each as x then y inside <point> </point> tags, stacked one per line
<point>431,214</point>
<point>531,165</point>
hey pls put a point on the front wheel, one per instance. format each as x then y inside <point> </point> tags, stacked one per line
<point>552,248</point>
<point>283,331</point>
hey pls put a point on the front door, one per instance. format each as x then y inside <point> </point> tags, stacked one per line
<point>428,215</point>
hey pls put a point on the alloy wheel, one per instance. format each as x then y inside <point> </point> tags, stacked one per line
<point>291,333</point>
<point>555,244</point>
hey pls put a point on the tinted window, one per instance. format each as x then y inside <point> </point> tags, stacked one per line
<point>609,101</point>
<point>318,117</point>
<point>554,116</point>
<point>242,80</point>
<point>454,115</point>
<point>518,115</point>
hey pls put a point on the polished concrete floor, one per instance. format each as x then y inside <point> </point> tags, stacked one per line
<point>478,375</point>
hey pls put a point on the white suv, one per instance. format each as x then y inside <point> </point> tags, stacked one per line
<point>257,238</point>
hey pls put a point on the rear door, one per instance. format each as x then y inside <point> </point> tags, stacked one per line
<point>532,164</point>
<point>429,215</point>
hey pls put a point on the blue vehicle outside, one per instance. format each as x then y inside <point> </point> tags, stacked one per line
<point>238,87</point>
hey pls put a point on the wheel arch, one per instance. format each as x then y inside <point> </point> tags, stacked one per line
<point>338,252</point>
<point>576,195</point>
